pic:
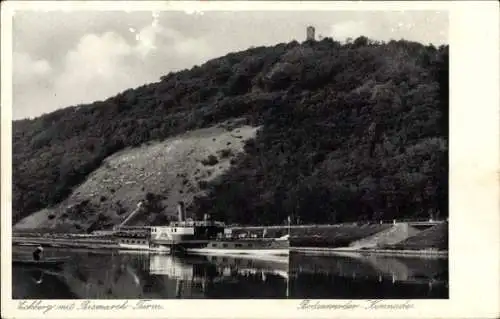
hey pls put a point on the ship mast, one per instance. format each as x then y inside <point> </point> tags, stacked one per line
<point>288,274</point>
<point>289,222</point>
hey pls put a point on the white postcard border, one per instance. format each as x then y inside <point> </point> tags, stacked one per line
<point>474,169</point>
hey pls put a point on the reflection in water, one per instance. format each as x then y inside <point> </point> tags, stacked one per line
<point>355,276</point>
<point>38,284</point>
<point>116,275</point>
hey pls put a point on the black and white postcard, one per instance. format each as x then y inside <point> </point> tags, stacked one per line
<point>210,159</point>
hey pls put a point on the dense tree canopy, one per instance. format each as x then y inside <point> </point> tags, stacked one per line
<point>350,131</point>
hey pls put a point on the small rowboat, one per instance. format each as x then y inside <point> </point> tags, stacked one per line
<point>49,262</point>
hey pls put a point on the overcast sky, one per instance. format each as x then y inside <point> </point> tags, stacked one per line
<point>62,59</point>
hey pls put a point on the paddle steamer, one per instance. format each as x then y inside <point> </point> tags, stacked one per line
<point>212,237</point>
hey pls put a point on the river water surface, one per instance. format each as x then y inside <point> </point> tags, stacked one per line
<point>110,274</point>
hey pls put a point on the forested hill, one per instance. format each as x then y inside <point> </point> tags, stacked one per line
<point>348,132</point>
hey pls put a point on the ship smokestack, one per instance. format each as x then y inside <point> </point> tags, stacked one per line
<point>180,211</point>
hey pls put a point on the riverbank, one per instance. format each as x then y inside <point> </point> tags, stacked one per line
<point>399,240</point>
<point>382,239</point>
<point>336,235</point>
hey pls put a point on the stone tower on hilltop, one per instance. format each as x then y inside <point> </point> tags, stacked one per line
<point>310,33</point>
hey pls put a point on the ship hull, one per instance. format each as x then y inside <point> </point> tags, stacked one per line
<point>132,247</point>
<point>243,247</point>
<point>212,251</point>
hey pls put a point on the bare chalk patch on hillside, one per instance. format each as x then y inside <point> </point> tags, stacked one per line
<point>175,169</point>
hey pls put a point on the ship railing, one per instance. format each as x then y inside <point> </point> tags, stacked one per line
<point>197,223</point>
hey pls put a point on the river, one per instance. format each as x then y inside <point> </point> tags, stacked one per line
<point>110,274</point>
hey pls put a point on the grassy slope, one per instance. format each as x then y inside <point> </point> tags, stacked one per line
<point>164,173</point>
<point>434,237</point>
<point>349,132</point>
<point>395,234</point>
